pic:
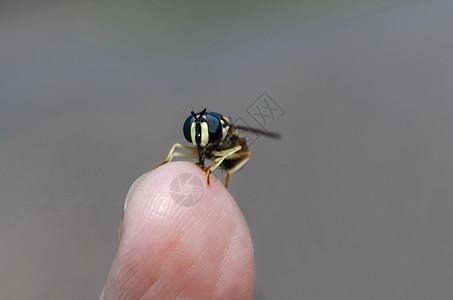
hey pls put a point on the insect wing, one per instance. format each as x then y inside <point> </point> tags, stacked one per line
<point>257,131</point>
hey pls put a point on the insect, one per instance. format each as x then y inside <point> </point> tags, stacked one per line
<point>216,139</point>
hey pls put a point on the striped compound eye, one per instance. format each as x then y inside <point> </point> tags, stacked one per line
<point>186,128</point>
<point>214,127</point>
<point>201,129</point>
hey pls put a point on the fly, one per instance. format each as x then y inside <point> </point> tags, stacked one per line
<point>215,139</point>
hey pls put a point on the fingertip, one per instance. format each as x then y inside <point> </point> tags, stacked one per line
<point>181,236</point>
<point>169,187</point>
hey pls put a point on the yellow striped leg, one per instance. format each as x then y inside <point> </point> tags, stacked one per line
<point>245,156</point>
<point>222,155</point>
<point>172,153</point>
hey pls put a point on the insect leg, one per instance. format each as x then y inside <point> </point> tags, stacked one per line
<point>222,155</point>
<point>172,153</point>
<point>244,156</point>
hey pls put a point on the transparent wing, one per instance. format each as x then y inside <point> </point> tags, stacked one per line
<point>270,134</point>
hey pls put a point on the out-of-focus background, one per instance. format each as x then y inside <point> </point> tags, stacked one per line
<point>356,200</point>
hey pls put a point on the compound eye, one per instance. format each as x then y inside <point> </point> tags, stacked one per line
<point>186,128</point>
<point>214,126</point>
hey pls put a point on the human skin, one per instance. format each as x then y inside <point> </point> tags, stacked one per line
<point>167,251</point>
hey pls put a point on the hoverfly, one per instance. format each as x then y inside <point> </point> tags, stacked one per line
<point>216,139</point>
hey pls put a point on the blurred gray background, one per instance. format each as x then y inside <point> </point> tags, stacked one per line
<point>355,202</point>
